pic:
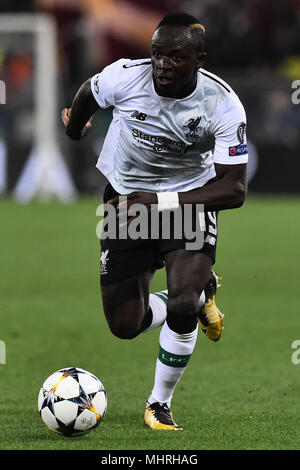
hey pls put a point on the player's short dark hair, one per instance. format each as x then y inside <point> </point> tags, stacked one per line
<point>184,19</point>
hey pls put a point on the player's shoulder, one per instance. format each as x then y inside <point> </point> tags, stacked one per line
<point>132,71</point>
<point>212,83</point>
<point>125,71</point>
<point>131,77</point>
<point>213,80</point>
<point>125,66</point>
<point>135,64</point>
<point>129,67</point>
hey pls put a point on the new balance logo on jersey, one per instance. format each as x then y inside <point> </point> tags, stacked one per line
<point>211,240</point>
<point>138,115</point>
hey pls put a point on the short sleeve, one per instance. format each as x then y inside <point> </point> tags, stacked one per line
<point>229,129</point>
<point>103,85</point>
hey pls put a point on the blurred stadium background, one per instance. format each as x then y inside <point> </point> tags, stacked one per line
<point>252,44</point>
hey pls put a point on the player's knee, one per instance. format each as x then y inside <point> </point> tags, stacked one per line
<point>123,329</point>
<point>182,313</point>
<point>181,324</point>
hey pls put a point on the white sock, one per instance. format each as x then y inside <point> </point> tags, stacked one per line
<point>175,350</point>
<point>158,305</point>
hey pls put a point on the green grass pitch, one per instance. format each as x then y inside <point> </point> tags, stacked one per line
<point>239,393</point>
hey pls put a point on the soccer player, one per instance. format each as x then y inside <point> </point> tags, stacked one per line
<point>177,140</point>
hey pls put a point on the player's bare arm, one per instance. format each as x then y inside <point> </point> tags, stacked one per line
<point>227,192</point>
<point>78,118</point>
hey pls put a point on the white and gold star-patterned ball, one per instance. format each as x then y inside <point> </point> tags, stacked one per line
<point>72,401</point>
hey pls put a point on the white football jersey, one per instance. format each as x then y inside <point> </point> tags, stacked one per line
<point>164,144</point>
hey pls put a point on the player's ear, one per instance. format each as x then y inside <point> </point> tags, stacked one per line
<point>201,58</point>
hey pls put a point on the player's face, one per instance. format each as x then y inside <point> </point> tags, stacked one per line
<point>175,61</point>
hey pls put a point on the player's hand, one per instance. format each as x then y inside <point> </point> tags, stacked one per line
<point>124,203</point>
<point>66,114</point>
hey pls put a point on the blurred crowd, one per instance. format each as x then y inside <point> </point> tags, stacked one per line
<point>239,32</point>
<point>252,44</point>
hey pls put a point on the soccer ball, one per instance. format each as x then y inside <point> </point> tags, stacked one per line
<point>72,401</point>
